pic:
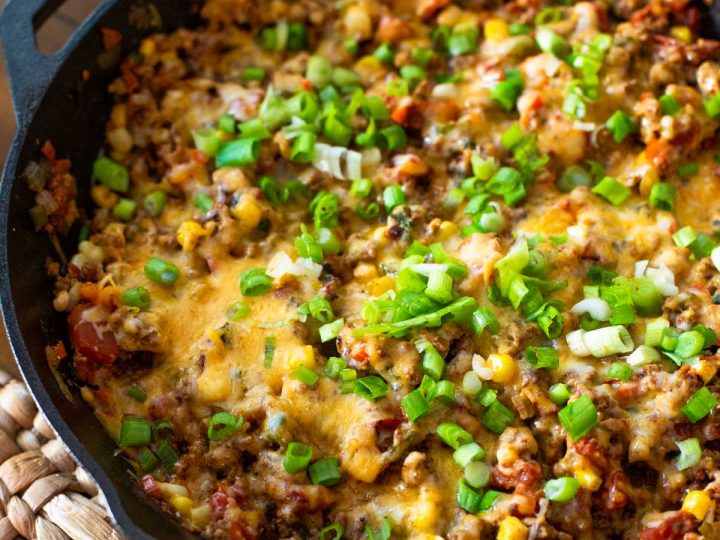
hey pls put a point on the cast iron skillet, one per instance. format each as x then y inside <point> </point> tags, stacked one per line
<point>54,101</point>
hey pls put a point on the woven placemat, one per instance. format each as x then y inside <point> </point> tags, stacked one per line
<point>44,494</point>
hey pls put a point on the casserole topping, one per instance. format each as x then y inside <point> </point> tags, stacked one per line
<point>428,269</point>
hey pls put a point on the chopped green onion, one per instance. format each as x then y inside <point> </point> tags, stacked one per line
<point>477,474</point>
<point>519,29</point>
<point>393,196</point>
<point>468,453</point>
<point>542,357</point>
<point>608,341</point>
<point>163,429</point>
<point>334,366</point>
<point>134,431</point>
<point>238,153</point>
<point>561,489</point>
<point>468,498</point>
<point>489,499</point>
<point>344,77</point>
<point>254,129</point>
<point>442,391</point>
<point>484,319</point>
<point>579,417</point>
<point>333,531</point>
<point>331,330</point>
<point>709,335</point>
<point>325,472</point>
<point>348,378</point>
<point>620,125</point>
<point>453,435</point>
<point>254,282</point>
<point>137,297</point>
<point>432,363</point>
<point>305,375</point>
<point>351,46</point>
<point>463,42</point>
<point>297,457</point>
<point>161,271</point>
<point>559,393</point>
<point>412,74</point>
<point>421,55</point>
<point>361,188</point>
<point>550,321</point>
<point>669,339</point>
<point>111,174</point>
<point>506,92</point>
<point>689,344</point>
<point>612,191</point>
<point>643,356</point>
<point>327,240</point>
<point>137,393</point>
<point>222,425</point>
<point>702,246</point>
<point>392,137</point>
<point>384,533</point>
<point>325,208</point>
<point>573,177</point>
<point>226,123</point>
<point>369,212</point>
<point>415,405</point>
<point>497,417</point>
<point>319,71</point>
<point>384,54</point>
<point>253,73</point>
<point>712,106</point>
<point>397,88</point>
<point>620,371</point>
<point>203,202</point>
<point>269,351</point>
<point>662,196</point>
<point>688,169</point>
<point>207,141</point>
<point>154,202</point>
<point>297,36</point>
<point>147,460</point>
<point>237,311</point>
<point>167,456</point>
<point>548,15</point>
<point>699,405</point>
<point>303,149</point>
<point>371,387</point>
<point>439,286</point>
<point>374,108</point>
<point>124,209</point>
<point>684,237</point>
<point>549,42</point>
<point>669,104</point>
<point>690,453</point>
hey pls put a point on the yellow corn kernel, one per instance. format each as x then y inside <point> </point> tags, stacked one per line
<point>369,66</point>
<point>201,516</point>
<point>503,367</point>
<point>247,211</point>
<point>697,503</point>
<point>378,235</point>
<point>118,115</point>
<point>704,369</point>
<point>447,230</point>
<point>588,479</point>
<point>169,490</point>
<point>496,30</point>
<point>426,512</point>
<point>364,272</point>
<point>512,528</point>
<point>301,356</point>
<point>188,235</point>
<point>214,383</point>
<point>681,33</point>
<point>103,197</point>
<point>147,47</point>
<point>182,504</point>
<point>381,285</point>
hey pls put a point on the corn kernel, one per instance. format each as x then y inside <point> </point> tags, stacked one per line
<point>512,528</point>
<point>588,479</point>
<point>248,212</point>
<point>109,297</point>
<point>378,235</point>
<point>169,490</point>
<point>496,30</point>
<point>381,285</point>
<point>302,356</point>
<point>147,47</point>
<point>364,272</point>
<point>681,33</point>
<point>704,369</point>
<point>698,503</point>
<point>201,516</point>
<point>118,115</point>
<point>188,235</point>
<point>103,197</point>
<point>503,367</point>
<point>182,504</point>
<point>447,230</point>
<point>426,513</point>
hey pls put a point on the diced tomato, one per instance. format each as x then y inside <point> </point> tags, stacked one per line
<point>149,485</point>
<point>198,157</point>
<point>60,350</point>
<point>673,528</point>
<point>93,340</point>
<point>48,150</point>
<point>219,503</point>
<point>111,37</point>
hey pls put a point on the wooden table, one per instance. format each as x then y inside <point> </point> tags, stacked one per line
<point>50,38</point>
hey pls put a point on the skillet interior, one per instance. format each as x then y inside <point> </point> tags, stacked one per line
<point>72,114</point>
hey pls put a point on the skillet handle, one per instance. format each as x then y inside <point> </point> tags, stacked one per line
<point>30,71</point>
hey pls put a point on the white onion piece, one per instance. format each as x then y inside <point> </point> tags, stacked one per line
<point>640,267</point>
<point>307,268</point>
<point>445,91</point>
<point>715,258</point>
<point>279,265</point>
<point>471,383</point>
<point>642,356</point>
<point>608,341</point>
<point>598,308</point>
<point>353,165</point>
<point>478,365</point>
<point>576,343</point>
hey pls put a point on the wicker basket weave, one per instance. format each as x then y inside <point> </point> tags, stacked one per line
<point>43,492</point>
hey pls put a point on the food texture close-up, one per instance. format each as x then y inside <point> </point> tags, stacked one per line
<point>407,269</point>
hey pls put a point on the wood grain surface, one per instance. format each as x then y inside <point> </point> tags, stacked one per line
<point>50,38</point>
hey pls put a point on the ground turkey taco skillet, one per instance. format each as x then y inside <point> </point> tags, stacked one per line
<point>413,270</point>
